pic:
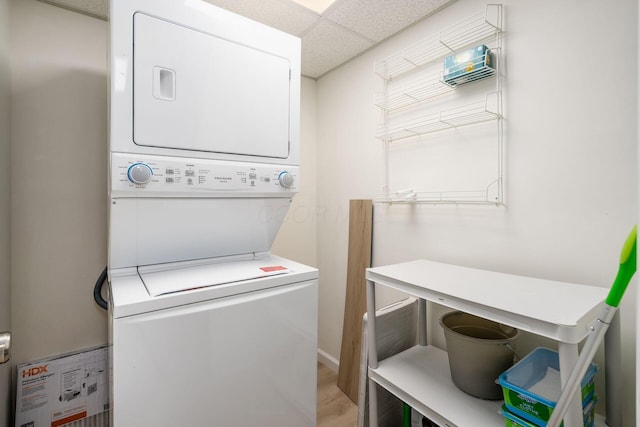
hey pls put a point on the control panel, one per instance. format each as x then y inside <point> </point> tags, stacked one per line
<point>159,174</point>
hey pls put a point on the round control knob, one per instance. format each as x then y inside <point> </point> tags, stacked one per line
<point>139,173</point>
<point>285,179</point>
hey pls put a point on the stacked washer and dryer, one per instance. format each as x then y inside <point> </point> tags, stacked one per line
<point>206,326</point>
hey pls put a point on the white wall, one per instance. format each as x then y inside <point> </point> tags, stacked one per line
<point>571,171</point>
<point>5,176</point>
<point>59,178</point>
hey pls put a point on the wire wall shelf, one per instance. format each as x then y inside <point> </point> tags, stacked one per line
<point>464,115</point>
<point>473,29</point>
<point>426,70</point>
<point>429,84</point>
<point>490,195</point>
<point>415,91</point>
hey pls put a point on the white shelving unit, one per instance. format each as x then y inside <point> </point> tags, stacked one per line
<point>420,376</point>
<point>413,77</point>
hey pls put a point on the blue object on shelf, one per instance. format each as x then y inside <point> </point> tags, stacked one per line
<point>469,65</point>
<point>532,387</point>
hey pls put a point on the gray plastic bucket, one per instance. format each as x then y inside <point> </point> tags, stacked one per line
<point>479,351</point>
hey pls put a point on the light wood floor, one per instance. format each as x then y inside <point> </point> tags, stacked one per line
<point>335,409</point>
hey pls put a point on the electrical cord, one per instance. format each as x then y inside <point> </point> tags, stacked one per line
<point>97,290</point>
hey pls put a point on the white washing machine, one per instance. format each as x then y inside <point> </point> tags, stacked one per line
<point>206,326</point>
<point>187,351</point>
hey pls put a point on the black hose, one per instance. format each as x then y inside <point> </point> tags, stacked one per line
<point>97,290</point>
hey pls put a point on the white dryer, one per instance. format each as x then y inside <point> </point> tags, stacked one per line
<point>206,326</point>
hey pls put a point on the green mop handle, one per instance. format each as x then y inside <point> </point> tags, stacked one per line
<point>627,268</point>
<point>625,273</point>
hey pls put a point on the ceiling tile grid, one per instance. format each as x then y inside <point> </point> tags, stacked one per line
<point>344,30</point>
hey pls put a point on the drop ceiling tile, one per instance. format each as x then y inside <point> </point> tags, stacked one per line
<point>379,19</point>
<point>327,46</point>
<point>96,8</point>
<point>283,15</point>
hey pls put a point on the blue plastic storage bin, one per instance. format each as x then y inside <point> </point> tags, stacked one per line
<point>531,387</point>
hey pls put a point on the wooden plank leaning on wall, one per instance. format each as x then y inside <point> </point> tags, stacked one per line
<point>359,258</point>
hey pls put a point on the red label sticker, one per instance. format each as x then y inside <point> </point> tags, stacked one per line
<point>272,268</point>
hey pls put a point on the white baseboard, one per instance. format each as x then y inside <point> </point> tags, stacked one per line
<point>328,360</point>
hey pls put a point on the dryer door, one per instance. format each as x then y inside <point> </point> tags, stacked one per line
<point>196,91</point>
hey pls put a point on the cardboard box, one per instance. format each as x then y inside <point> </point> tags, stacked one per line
<point>469,65</point>
<point>56,391</point>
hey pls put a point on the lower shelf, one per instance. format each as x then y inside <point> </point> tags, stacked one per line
<point>420,376</point>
